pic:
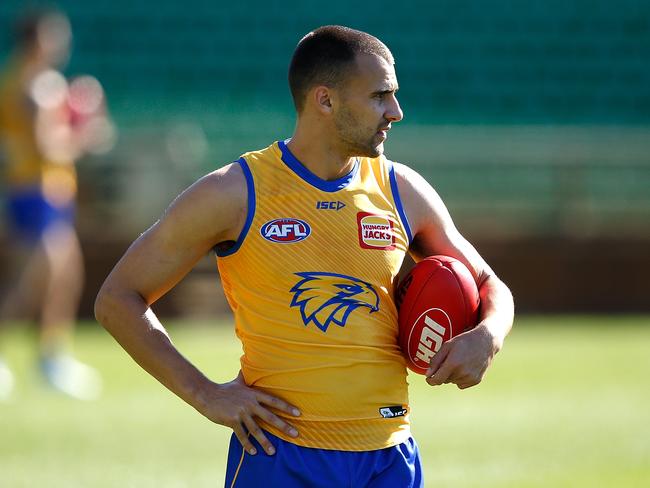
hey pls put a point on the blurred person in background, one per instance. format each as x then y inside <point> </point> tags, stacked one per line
<point>46,124</point>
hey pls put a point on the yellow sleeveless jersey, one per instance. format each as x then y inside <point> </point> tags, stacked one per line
<point>25,164</point>
<point>310,282</point>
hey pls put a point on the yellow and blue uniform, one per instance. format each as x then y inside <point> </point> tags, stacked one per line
<point>310,281</point>
<point>40,191</point>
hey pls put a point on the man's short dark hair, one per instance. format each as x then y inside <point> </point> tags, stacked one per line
<point>326,55</point>
<point>27,25</point>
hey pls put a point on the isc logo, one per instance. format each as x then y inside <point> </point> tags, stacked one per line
<point>436,327</point>
<point>285,230</point>
<point>330,205</point>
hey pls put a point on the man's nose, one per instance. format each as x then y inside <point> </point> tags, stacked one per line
<point>394,112</point>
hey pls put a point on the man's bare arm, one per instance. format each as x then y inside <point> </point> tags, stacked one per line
<point>464,359</point>
<point>211,211</point>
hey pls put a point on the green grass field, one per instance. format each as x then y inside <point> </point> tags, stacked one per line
<point>565,404</point>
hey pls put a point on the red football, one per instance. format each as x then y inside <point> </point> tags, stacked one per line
<point>437,300</point>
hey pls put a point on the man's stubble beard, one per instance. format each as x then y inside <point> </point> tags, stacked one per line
<point>352,138</point>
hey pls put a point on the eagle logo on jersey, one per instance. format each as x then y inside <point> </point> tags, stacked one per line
<point>324,298</point>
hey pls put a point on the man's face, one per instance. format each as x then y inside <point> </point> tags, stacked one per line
<point>53,40</point>
<point>367,106</point>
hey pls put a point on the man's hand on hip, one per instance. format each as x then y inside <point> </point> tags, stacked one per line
<point>239,406</point>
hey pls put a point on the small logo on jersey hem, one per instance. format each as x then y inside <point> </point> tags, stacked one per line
<point>375,231</point>
<point>285,231</point>
<point>392,412</point>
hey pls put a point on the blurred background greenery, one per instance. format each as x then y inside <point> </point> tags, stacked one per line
<point>531,119</point>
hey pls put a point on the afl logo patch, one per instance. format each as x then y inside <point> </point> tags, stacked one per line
<point>285,231</point>
<point>375,231</point>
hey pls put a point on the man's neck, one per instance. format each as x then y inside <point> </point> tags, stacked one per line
<point>316,152</point>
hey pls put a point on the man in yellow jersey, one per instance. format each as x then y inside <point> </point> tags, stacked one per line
<point>38,146</point>
<point>322,389</point>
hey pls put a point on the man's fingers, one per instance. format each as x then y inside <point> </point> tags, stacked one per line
<point>243,439</point>
<point>258,433</point>
<point>468,381</point>
<point>278,404</point>
<point>455,376</point>
<point>462,385</point>
<point>442,375</point>
<point>276,421</point>
<point>438,359</point>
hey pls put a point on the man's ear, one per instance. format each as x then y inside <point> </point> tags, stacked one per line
<point>321,96</point>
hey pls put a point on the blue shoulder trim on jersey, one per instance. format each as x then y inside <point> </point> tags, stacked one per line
<point>325,185</point>
<point>398,200</point>
<point>249,214</point>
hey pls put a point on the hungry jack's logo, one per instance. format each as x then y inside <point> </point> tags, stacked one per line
<point>375,231</point>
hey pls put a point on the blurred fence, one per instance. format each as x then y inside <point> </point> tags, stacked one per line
<point>532,120</point>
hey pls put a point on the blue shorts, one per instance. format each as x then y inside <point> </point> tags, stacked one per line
<point>30,214</point>
<point>294,466</point>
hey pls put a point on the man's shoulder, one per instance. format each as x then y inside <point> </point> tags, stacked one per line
<point>233,178</point>
<point>408,180</point>
<point>260,155</point>
<point>217,201</point>
<point>228,182</point>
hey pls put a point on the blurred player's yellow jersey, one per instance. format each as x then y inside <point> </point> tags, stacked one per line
<point>26,164</point>
<point>310,281</point>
